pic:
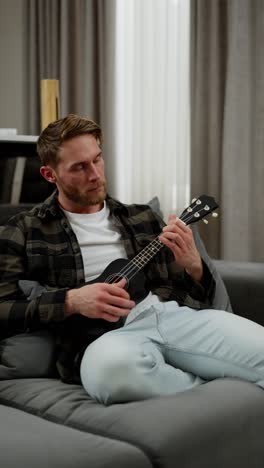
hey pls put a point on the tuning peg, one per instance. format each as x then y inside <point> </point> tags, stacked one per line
<point>194,200</point>
<point>205,221</point>
<point>215,215</point>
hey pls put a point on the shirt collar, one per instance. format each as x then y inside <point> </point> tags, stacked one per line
<point>49,207</point>
<point>116,206</point>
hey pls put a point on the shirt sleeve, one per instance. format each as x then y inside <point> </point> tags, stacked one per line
<point>202,293</point>
<point>17,312</point>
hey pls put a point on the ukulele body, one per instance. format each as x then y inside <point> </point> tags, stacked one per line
<point>80,329</point>
<point>135,279</point>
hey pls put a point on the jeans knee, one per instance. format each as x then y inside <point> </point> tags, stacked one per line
<point>111,367</point>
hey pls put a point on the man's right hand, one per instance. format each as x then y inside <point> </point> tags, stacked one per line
<point>99,301</point>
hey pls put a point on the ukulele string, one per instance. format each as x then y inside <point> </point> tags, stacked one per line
<point>140,257</point>
<point>147,250</point>
<point>128,269</point>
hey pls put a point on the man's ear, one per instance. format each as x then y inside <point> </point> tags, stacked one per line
<point>48,174</point>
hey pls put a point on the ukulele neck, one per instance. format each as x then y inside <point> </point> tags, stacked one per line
<point>197,210</point>
<point>143,257</point>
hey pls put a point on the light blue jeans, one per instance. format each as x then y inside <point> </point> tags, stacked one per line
<point>168,349</point>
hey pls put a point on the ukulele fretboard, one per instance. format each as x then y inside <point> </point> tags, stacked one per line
<point>141,259</point>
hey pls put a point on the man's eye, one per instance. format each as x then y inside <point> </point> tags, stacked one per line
<point>79,167</point>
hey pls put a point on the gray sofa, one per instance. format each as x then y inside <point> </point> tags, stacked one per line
<point>220,424</point>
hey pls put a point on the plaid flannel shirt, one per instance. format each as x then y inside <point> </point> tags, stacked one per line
<point>39,247</point>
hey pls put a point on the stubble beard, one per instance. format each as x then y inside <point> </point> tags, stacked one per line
<point>86,199</point>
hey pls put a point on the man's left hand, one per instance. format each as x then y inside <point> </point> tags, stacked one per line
<point>179,239</point>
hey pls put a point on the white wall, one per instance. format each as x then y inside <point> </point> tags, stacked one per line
<point>13,65</point>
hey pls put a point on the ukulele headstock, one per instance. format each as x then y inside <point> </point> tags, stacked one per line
<point>199,209</point>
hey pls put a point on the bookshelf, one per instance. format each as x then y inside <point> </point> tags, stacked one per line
<point>20,179</point>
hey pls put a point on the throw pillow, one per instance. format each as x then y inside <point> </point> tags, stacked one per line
<point>27,355</point>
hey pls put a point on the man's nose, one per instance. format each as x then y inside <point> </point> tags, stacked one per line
<point>93,173</point>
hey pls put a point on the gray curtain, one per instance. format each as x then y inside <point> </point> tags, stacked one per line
<point>227,138</point>
<point>73,41</point>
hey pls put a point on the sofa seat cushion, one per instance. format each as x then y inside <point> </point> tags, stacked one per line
<point>29,441</point>
<point>220,423</point>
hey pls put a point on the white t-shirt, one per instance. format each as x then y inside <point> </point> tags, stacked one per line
<point>99,240</point>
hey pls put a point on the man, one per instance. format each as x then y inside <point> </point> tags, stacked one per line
<point>166,343</point>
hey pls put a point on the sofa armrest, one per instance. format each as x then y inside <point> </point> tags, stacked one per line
<point>244,282</point>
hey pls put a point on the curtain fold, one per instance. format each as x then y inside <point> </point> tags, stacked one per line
<point>208,81</point>
<point>74,42</point>
<point>106,57</point>
<point>227,135</point>
<point>66,42</point>
<point>153,103</point>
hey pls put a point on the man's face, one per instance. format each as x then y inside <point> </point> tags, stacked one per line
<point>79,175</point>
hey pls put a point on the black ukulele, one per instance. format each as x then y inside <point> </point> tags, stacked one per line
<point>131,270</point>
